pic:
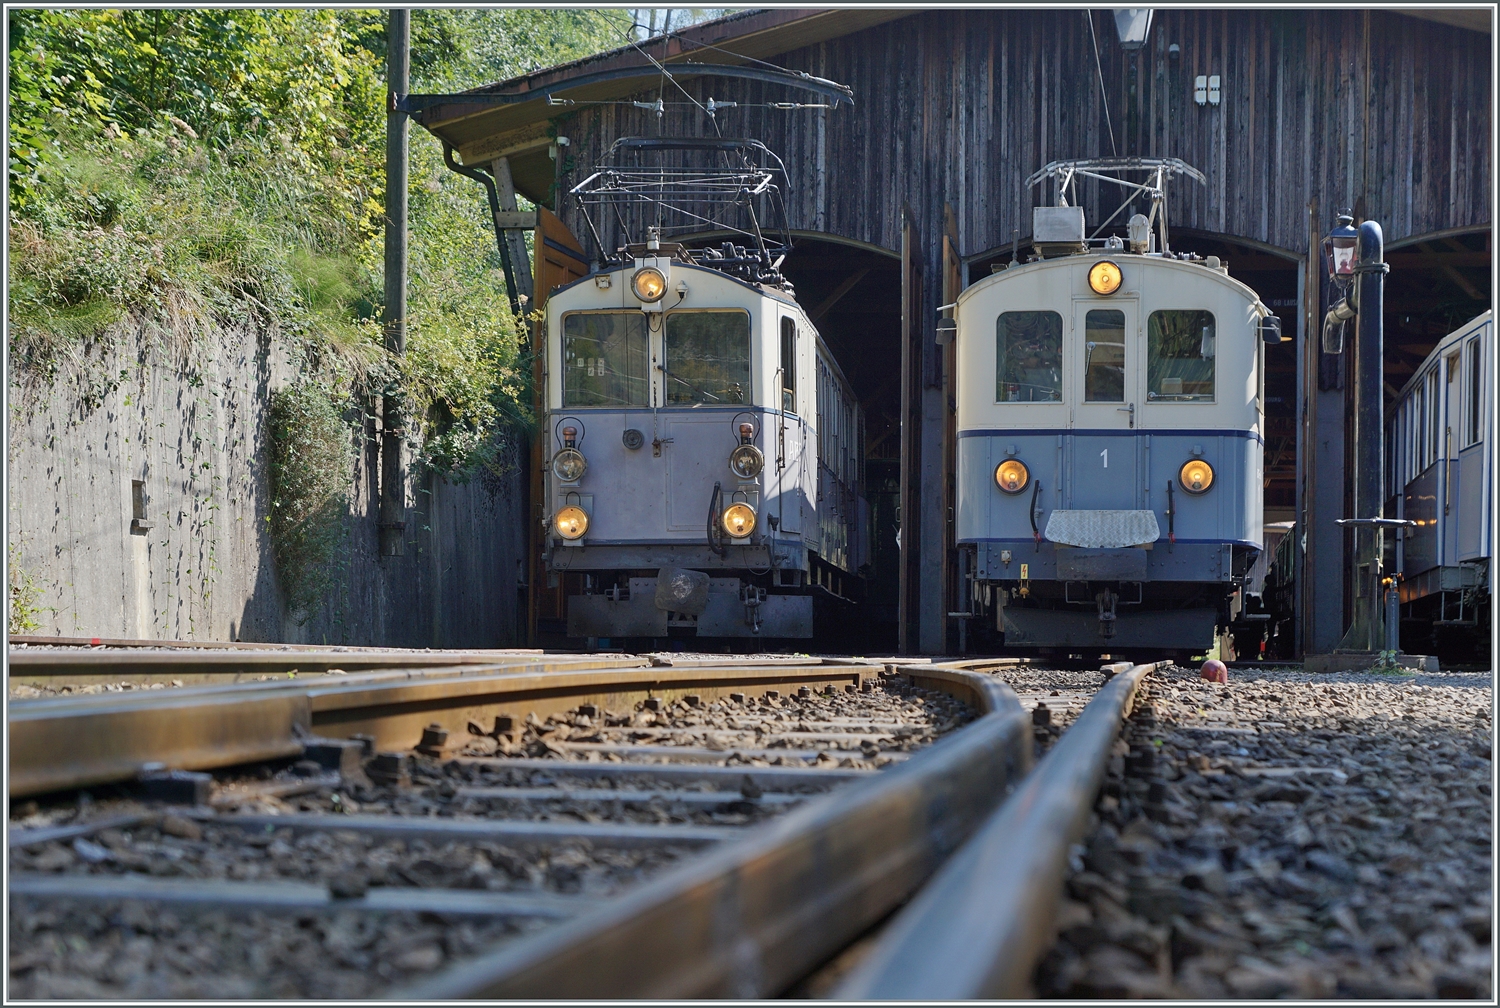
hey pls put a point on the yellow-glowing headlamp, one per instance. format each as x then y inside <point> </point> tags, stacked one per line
<point>1104,277</point>
<point>649,284</point>
<point>1196,476</point>
<point>1011,476</point>
<point>571,522</point>
<point>738,520</point>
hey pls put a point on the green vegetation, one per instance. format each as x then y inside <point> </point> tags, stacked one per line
<point>311,469</point>
<point>23,609</point>
<point>175,173</point>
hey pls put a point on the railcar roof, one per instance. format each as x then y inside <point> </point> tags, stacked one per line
<point>677,264</point>
<point>1117,256</point>
<point>1443,346</point>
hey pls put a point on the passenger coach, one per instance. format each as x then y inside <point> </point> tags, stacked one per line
<point>1440,472</point>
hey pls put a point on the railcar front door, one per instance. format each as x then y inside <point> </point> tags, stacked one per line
<point>1103,463</point>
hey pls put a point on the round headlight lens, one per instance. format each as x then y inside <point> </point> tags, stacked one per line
<point>1011,476</point>
<point>649,284</point>
<point>571,522</point>
<point>746,461</point>
<point>1196,476</point>
<point>1104,277</point>
<point>568,465</point>
<point>739,520</point>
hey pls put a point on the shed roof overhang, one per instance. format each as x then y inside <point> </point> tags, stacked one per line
<point>521,130</point>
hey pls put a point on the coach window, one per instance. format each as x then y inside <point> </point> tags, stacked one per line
<point>1180,356</point>
<point>1028,357</point>
<point>605,359</point>
<point>708,358</point>
<point>1104,356</point>
<point>789,365</point>
<point>1476,393</point>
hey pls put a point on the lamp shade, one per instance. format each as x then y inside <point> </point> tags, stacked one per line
<point>1340,248</point>
<point>1132,25</point>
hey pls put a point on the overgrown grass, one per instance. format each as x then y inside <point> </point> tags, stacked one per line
<point>310,469</point>
<point>177,174</point>
<point>23,610</point>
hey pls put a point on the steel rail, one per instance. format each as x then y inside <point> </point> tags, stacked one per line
<point>144,663</point>
<point>979,927</point>
<point>37,640</point>
<point>80,741</point>
<point>756,914</point>
<point>269,895</point>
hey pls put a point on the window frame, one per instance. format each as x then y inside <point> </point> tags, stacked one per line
<point>1163,398</point>
<point>1062,356</point>
<point>1474,389</point>
<point>1124,345</point>
<point>562,337</point>
<point>788,368</point>
<point>666,370</point>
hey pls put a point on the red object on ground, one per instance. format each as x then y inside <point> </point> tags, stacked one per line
<point>1215,671</point>
<point>93,640</point>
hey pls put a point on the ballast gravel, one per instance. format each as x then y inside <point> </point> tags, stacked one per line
<point>1288,835</point>
<point>130,949</point>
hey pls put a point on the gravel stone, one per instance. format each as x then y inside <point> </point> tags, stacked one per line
<point>1292,836</point>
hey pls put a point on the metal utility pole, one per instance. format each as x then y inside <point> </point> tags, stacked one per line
<point>392,454</point>
<point>1366,632</point>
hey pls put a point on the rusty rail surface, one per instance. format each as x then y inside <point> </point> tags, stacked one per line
<point>978,928</point>
<point>79,741</point>
<point>753,916</point>
<point>148,662</point>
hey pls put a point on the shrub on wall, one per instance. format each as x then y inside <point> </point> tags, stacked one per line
<point>311,459</point>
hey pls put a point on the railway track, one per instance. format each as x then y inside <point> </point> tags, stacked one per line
<point>530,826</point>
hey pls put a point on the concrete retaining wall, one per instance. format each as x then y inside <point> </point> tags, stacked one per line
<point>189,427</point>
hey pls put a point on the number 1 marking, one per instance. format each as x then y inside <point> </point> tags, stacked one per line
<point>1105,455</point>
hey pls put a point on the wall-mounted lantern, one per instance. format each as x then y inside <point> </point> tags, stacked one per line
<point>1132,25</point>
<point>1339,247</point>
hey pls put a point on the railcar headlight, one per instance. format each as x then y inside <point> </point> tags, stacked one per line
<point>1011,476</point>
<point>1104,277</point>
<point>739,520</point>
<point>569,464</point>
<point>649,284</point>
<point>571,522</point>
<point>746,461</point>
<point>1196,476</point>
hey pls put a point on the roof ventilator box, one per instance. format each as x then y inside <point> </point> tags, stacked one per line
<point>1057,231</point>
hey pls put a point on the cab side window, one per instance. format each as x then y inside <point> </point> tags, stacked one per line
<point>1476,394</point>
<point>788,365</point>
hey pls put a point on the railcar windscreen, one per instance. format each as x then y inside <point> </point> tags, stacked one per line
<point>605,359</point>
<point>1104,356</point>
<point>1180,347</point>
<point>708,358</point>
<point>1028,357</point>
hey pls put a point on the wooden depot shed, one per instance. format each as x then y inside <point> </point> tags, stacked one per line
<point>899,200</point>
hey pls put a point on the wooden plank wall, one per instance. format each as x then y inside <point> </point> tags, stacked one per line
<point>1362,108</point>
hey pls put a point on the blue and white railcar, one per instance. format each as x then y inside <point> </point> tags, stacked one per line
<point>703,454</point>
<point>1109,430</point>
<point>1440,474</point>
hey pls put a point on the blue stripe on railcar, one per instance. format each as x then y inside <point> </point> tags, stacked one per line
<point>1076,474</point>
